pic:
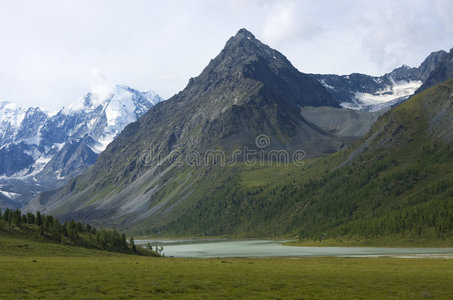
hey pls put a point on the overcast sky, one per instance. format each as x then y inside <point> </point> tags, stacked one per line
<point>51,52</point>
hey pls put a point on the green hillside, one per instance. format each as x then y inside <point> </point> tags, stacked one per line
<point>397,181</point>
<point>44,235</point>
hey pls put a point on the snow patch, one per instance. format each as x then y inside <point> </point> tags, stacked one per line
<point>58,146</point>
<point>34,153</point>
<point>152,97</point>
<point>323,82</point>
<point>9,195</point>
<point>377,80</point>
<point>34,140</point>
<point>120,110</point>
<point>52,113</point>
<point>397,90</point>
<point>58,175</point>
<point>38,166</point>
<point>11,116</point>
<point>102,143</point>
<point>386,97</point>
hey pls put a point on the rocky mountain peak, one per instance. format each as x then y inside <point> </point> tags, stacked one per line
<point>40,151</point>
<point>244,47</point>
<point>244,34</point>
<point>441,65</point>
<point>245,57</point>
<point>430,63</point>
<point>405,73</point>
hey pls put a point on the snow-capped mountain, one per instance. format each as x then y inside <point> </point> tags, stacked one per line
<point>41,150</point>
<point>17,123</point>
<point>372,93</point>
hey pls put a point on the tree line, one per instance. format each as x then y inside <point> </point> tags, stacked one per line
<point>68,232</point>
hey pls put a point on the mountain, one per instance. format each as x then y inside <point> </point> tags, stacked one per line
<point>370,93</point>
<point>442,71</point>
<point>396,183</point>
<point>249,90</point>
<point>40,151</point>
<point>179,169</point>
<point>18,130</point>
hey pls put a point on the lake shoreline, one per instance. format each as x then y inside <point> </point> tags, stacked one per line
<point>293,242</point>
<point>223,248</point>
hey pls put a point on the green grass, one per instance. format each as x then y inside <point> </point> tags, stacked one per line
<point>26,237</point>
<point>47,270</point>
<point>27,246</point>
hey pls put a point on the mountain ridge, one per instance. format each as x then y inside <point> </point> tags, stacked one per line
<point>441,72</point>
<point>372,93</point>
<point>36,145</point>
<point>235,99</point>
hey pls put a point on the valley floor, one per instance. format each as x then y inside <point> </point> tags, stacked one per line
<point>31,270</point>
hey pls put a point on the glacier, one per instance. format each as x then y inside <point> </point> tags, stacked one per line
<point>387,97</point>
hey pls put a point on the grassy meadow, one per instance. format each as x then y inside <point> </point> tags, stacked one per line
<point>33,269</point>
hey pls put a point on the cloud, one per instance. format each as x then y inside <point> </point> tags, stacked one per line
<point>400,31</point>
<point>283,23</point>
<point>101,87</point>
<point>50,46</point>
<point>444,10</point>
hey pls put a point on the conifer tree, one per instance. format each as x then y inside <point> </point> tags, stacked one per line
<point>132,244</point>
<point>38,220</point>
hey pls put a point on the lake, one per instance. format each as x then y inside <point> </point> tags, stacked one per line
<point>269,248</point>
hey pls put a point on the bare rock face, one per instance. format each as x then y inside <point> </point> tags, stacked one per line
<point>430,63</point>
<point>440,73</point>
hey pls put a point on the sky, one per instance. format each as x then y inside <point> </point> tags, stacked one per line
<point>52,52</point>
